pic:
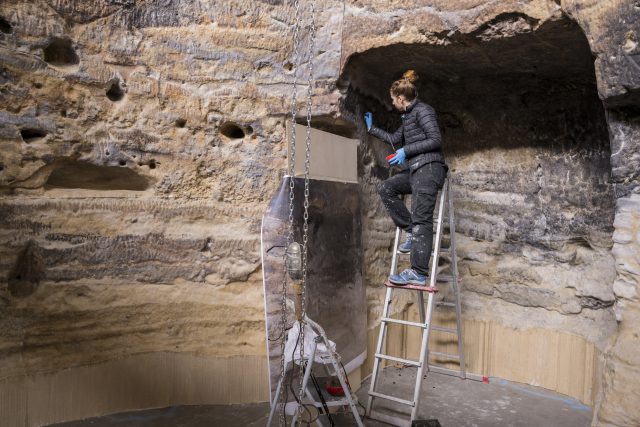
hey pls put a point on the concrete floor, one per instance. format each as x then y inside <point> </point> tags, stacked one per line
<point>453,402</point>
<point>456,403</point>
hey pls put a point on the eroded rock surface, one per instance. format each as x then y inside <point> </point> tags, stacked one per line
<point>140,142</point>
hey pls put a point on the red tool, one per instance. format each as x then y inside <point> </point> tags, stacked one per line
<point>333,390</point>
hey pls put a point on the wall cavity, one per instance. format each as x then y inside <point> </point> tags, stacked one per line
<point>60,52</point>
<point>83,175</point>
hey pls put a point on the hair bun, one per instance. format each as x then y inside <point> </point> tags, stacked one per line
<point>411,76</point>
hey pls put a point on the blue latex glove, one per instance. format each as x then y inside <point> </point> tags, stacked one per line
<point>368,119</point>
<point>399,158</point>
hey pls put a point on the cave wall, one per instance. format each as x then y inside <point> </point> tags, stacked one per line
<point>140,142</point>
<point>164,256</point>
<point>545,173</point>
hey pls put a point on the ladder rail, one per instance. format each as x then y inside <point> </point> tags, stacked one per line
<point>438,237</point>
<point>394,258</point>
<point>424,351</point>
<point>381,340</point>
<point>425,310</point>
<point>456,284</point>
<point>436,253</point>
<point>383,325</point>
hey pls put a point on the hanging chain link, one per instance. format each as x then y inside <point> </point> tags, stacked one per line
<point>290,236</point>
<point>307,164</point>
<point>291,170</point>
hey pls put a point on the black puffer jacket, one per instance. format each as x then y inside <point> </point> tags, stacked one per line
<point>419,135</point>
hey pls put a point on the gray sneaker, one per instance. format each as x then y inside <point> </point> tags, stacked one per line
<point>405,248</point>
<point>408,277</point>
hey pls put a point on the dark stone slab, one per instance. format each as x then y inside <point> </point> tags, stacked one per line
<point>335,292</point>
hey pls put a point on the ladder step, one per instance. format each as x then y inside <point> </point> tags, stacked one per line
<point>412,287</point>
<point>443,329</point>
<point>403,322</point>
<point>392,398</point>
<point>449,356</point>
<point>446,304</point>
<point>445,251</point>
<point>398,359</point>
<point>444,278</point>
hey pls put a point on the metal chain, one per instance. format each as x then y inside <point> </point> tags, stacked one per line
<point>307,164</point>
<point>290,237</point>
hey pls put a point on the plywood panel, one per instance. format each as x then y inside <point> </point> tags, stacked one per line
<point>136,382</point>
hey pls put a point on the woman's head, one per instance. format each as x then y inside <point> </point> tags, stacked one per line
<point>404,91</point>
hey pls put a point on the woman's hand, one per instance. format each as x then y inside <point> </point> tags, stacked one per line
<point>368,119</point>
<point>399,158</point>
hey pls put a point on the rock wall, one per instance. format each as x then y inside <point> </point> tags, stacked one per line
<point>540,168</point>
<point>141,140</point>
<point>527,143</point>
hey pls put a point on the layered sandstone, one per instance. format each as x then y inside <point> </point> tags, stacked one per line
<point>140,142</point>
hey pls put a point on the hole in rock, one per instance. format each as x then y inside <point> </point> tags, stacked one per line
<point>60,52</point>
<point>83,175</point>
<point>507,103</point>
<point>115,92</point>
<point>231,130</point>
<point>5,26</point>
<point>152,164</point>
<point>180,123</point>
<point>27,272</point>
<point>30,134</point>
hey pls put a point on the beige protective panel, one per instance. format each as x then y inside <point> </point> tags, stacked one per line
<point>332,157</point>
<point>557,361</point>
<point>151,380</point>
<point>143,381</point>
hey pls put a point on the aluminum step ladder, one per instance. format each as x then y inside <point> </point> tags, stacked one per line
<point>309,395</point>
<point>445,201</point>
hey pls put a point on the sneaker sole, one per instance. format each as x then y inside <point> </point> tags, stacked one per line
<point>404,251</point>
<point>409,282</point>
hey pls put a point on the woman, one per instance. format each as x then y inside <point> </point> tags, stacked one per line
<point>422,175</point>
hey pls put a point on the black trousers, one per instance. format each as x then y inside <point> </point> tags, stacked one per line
<point>423,184</point>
